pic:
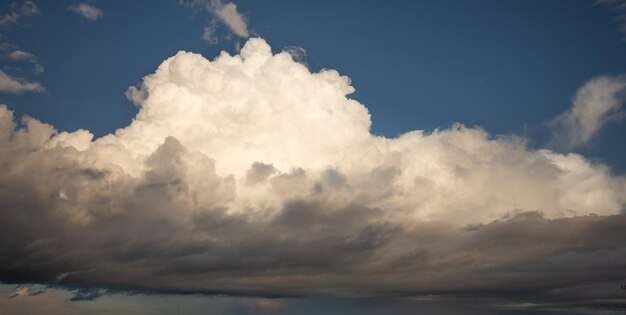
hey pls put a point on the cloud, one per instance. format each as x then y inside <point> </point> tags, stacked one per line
<point>9,84</point>
<point>209,32</point>
<point>297,53</point>
<point>25,9</point>
<point>12,52</point>
<point>88,294</point>
<point>250,175</point>
<point>596,103</point>
<point>618,6</point>
<point>22,55</point>
<point>225,13</point>
<point>87,11</point>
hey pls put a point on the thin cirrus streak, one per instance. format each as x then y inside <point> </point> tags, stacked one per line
<point>249,174</point>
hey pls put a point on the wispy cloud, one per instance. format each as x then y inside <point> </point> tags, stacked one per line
<point>19,55</point>
<point>14,53</point>
<point>225,13</point>
<point>22,55</point>
<point>87,11</point>
<point>596,103</point>
<point>619,6</point>
<point>19,10</point>
<point>9,84</point>
<point>297,53</point>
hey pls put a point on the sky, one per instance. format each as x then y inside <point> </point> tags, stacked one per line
<point>306,157</point>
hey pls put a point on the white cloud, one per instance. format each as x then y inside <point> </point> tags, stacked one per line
<point>19,55</point>
<point>225,13</point>
<point>257,107</point>
<point>23,55</point>
<point>19,10</point>
<point>87,11</point>
<point>250,174</point>
<point>596,103</point>
<point>9,84</point>
<point>209,33</point>
<point>10,51</point>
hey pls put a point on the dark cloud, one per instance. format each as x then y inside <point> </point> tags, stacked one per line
<point>141,237</point>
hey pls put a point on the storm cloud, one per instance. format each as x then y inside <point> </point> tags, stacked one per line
<point>250,175</point>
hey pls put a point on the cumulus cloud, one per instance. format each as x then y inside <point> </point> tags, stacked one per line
<point>249,174</point>
<point>87,11</point>
<point>18,11</point>
<point>9,84</point>
<point>225,13</point>
<point>599,101</point>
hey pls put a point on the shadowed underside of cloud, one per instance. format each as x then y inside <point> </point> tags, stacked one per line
<point>248,174</point>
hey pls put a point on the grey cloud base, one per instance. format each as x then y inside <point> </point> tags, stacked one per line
<point>306,248</point>
<point>249,175</point>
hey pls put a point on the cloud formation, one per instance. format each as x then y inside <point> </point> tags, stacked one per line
<point>9,84</point>
<point>248,174</point>
<point>19,55</point>
<point>87,11</point>
<point>225,13</point>
<point>599,101</point>
<point>22,55</point>
<point>618,6</point>
<point>18,11</point>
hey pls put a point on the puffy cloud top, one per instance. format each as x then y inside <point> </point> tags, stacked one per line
<point>245,169</point>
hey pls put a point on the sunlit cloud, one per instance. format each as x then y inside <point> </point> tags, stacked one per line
<point>88,11</point>
<point>598,102</point>
<point>225,13</point>
<point>250,174</point>
<point>19,10</point>
<point>9,84</point>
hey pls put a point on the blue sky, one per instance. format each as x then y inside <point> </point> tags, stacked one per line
<point>534,181</point>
